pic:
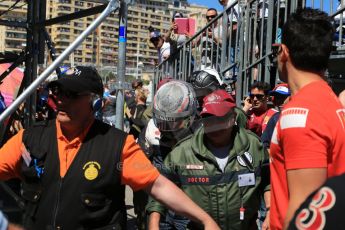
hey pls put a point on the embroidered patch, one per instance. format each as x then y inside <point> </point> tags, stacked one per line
<point>91,169</point>
<point>192,180</point>
<point>196,167</point>
<point>242,162</point>
<point>294,118</point>
<point>341,115</point>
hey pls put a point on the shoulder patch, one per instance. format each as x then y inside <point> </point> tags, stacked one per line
<point>195,167</point>
<point>294,118</point>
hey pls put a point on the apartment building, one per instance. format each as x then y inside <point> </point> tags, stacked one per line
<point>12,39</point>
<point>101,47</point>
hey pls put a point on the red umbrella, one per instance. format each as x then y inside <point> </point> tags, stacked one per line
<point>10,85</point>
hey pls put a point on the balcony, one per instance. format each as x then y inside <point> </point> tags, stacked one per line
<point>64,1</point>
<point>107,51</point>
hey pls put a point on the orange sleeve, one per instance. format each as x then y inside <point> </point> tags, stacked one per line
<point>137,170</point>
<point>10,157</point>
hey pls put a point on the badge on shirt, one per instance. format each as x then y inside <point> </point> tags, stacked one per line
<point>247,179</point>
<point>195,167</point>
<point>242,162</point>
<point>91,169</point>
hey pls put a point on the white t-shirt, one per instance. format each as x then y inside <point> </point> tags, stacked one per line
<point>221,155</point>
<point>263,8</point>
<point>236,11</point>
<point>217,33</point>
<point>164,52</point>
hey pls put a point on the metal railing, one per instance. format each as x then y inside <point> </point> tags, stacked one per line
<point>238,42</point>
<point>112,6</point>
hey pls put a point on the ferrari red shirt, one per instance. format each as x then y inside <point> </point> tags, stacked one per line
<point>309,134</point>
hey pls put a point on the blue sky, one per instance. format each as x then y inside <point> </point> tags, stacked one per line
<point>326,4</point>
<point>208,3</point>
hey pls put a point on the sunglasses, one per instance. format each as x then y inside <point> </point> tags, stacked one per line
<point>258,96</point>
<point>208,17</point>
<point>58,92</point>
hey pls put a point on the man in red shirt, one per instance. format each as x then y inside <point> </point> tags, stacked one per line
<point>256,107</point>
<point>308,143</point>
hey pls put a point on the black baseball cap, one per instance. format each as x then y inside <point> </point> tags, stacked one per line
<point>80,79</point>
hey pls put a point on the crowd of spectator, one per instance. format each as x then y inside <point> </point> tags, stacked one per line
<point>193,157</point>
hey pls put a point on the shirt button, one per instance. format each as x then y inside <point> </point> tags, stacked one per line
<point>58,227</point>
<point>87,201</point>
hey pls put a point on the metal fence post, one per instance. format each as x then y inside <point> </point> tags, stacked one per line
<point>269,34</point>
<point>31,60</point>
<point>121,65</point>
<point>241,74</point>
<point>225,44</point>
<point>112,6</point>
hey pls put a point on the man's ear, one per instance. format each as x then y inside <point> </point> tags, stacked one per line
<point>284,53</point>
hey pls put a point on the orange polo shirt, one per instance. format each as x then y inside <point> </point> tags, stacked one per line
<point>137,170</point>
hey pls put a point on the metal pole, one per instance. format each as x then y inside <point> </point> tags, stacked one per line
<point>137,76</point>
<point>113,5</point>
<point>121,65</point>
<point>246,36</point>
<point>242,76</point>
<point>269,39</point>
<point>225,43</point>
<point>28,61</point>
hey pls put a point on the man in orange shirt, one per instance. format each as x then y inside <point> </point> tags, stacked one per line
<point>74,168</point>
<point>308,143</point>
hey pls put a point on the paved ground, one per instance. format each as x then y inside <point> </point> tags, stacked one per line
<point>130,209</point>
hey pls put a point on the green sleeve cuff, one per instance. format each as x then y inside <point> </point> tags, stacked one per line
<point>155,206</point>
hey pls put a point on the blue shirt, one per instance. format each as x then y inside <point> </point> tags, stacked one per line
<point>3,222</point>
<point>2,105</point>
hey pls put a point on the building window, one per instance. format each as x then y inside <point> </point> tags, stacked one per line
<point>177,4</point>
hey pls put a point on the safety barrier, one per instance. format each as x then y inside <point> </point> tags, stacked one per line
<point>239,42</point>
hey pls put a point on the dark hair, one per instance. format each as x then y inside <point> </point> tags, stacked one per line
<point>209,9</point>
<point>264,86</point>
<point>137,83</point>
<point>174,15</point>
<point>308,35</point>
<point>151,29</point>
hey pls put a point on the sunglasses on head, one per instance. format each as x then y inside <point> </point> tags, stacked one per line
<point>258,96</point>
<point>210,16</point>
<point>58,92</point>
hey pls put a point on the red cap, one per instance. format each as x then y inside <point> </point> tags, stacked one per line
<point>218,103</point>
